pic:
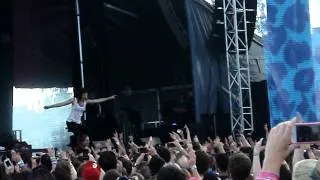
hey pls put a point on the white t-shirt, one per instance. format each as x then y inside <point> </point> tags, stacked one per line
<point>76,112</point>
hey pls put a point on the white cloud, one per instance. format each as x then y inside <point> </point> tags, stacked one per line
<point>314,8</point>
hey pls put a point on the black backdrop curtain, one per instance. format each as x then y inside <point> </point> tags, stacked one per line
<point>44,43</point>
<point>123,51</point>
<point>208,70</point>
<point>6,51</point>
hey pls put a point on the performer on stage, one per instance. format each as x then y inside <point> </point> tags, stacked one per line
<point>79,103</point>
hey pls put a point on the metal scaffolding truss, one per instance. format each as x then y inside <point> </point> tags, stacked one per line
<point>236,42</point>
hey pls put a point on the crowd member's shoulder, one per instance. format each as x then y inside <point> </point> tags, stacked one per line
<point>224,177</point>
<point>203,162</point>
<point>3,174</point>
<point>211,176</point>
<point>25,175</point>
<point>112,174</point>
<point>170,173</point>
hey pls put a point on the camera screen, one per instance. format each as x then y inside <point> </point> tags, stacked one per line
<point>8,163</point>
<point>308,133</point>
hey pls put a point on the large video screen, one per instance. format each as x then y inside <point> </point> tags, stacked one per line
<point>41,128</point>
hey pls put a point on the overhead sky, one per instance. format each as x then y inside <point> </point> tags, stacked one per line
<point>314,13</point>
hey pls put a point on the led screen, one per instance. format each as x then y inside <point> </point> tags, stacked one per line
<point>41,128</point>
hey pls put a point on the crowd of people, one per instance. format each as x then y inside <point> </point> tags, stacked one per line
<point>184,158</point>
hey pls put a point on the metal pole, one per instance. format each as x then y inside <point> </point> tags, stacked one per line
<point>215,125</point>
<point>80,48</point>
<point>158,105</point>
<point>80,43</point>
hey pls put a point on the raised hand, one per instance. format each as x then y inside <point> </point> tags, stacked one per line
<point>226,141</point>
<point>181,134</point>
<point>91,157</point>
<point>192,163</point>
<point>172,136</point>
<point>192,158</point>
<point>131,139</point>
<point>258,147</point>
<point>230,139</point>
<point>152,151</point>
<point>210,140</point>
<point>196,139</point>
<point>109,145</point>
<point>51,152</point>
<point>244,142</point>
<point>113,97</point>
<point>218,144</point>
<point>116,138</point>
<point>265,127</point>
<point>140,159</point>
<point>188,134</point>
<point>88,149</point>
<point>115,134</point>
<point>150,142</point>
<point>177,144</point>
<point>121,136</point>
<point>63,155</point>
<point>278,146</point>
<point>217,141</point>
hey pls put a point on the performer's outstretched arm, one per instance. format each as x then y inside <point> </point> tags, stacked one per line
<point>100,100</point>
<point>59,104</point>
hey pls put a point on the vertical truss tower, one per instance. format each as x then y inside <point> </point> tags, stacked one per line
<point>236,41</point>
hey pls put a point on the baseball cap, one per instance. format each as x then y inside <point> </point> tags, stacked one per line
<point>91,171</point>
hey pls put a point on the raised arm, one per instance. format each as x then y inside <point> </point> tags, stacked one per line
<point>266,129</point>
<point>101,100</point>
<point>277,149</point>
<point>65,103</point>
<point>244,141</point>
<point>256,165</point>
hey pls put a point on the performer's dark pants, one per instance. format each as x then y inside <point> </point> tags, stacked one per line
<point>77,129</point>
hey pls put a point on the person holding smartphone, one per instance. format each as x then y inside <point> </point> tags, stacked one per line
<point>277,149</point>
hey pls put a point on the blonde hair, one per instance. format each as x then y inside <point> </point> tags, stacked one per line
<point>303,169</point>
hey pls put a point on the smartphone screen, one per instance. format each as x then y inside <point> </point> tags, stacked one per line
<point>143,150</point>
<point>8,163</point>
<point>171,145</point>
<point>306,133</point>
